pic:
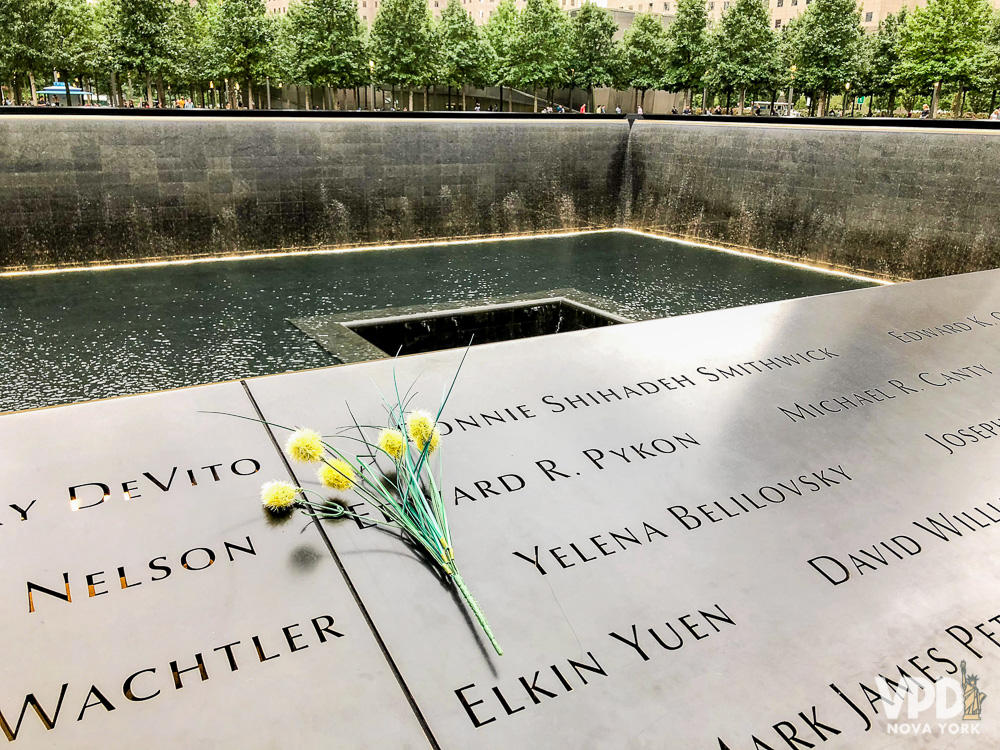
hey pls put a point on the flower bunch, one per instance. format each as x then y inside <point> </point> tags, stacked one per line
<point>408,495</point>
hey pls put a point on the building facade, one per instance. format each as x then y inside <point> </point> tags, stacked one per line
<point>481,10</point>
<point>873,12</point>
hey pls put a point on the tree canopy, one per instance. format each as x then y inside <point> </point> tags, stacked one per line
<point>501,29</point>
<point>643,50</point>
<point>745,49</point>
<point>24,36</point>
<point>325,43</point>
<point>687,53</point>
<point>403,44</point>
<point>829,46</point>
<point>880,61</point>
<point>73,47</point>
<point>540,49</point>
<point>943,42</point>
<point>949,46</point>
<point>988,66</point>
<point>143,35</point>
<point>592,48</point>
<point>243,39</point>
<point>467,57</point>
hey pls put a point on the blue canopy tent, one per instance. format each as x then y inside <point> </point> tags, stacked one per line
<point>58,89</point>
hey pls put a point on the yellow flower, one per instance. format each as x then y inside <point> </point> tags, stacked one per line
<point>391,441</point>
<point>337,475</point>
<point>423,431</point>
<point>305,446</point>
<point>278,496</point>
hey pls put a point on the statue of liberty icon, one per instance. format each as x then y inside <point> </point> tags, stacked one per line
<point>974,697</point>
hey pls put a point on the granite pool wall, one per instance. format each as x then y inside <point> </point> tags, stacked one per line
<point>80,190</point>
<point>889,200</point>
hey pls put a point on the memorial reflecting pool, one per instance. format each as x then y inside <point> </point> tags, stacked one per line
<point>88,335</point>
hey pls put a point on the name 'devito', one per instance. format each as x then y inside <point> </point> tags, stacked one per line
<point>92,494</point>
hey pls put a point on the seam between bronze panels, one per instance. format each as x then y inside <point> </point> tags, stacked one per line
<point>350,585</point>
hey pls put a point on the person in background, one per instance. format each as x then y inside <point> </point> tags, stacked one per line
<point>583,109</point>
<point>995,115</point>
<point>618,110</point>
<point>638,110</point>
<point>687,110</point>
<point>925,113</point>
<point>673,111</point>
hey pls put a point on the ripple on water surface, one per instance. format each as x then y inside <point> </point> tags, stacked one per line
<point>88,335</point>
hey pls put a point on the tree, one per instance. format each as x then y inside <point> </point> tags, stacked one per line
<point>104,52</point>
<point>284,55</point>
<point>23,40</point>
<point>242,39</point>
<point>688,48</point>
<point>643,49</point>
<point>402,44</point>
<point>745,56</point>
<point>788,49</point>
<point>501,29</point>
<point>467,57</point>
<point>326,43</point>
<point>829,48</point>
<point>196,58</point>
<point>72,39</point>
<point>592,51</point>
<point>143,38</point>
<point>942,43</point>
<point>881,60</point>
<point>988,65</point>
<point>540,50</point>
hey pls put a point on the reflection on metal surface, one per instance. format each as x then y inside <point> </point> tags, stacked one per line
<point>227,621</point>
<point>649,527</point>
<point>685,580</point>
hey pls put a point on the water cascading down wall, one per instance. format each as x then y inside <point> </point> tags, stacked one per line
<point>902,202</point>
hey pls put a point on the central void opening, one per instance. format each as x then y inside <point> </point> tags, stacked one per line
<point>451,329</point>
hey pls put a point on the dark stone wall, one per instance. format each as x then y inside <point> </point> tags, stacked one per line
<point>88,189</point>
<point>906,203</point>
<point>901,202</point>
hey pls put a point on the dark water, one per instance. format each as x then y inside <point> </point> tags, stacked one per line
<point>81,336</point>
